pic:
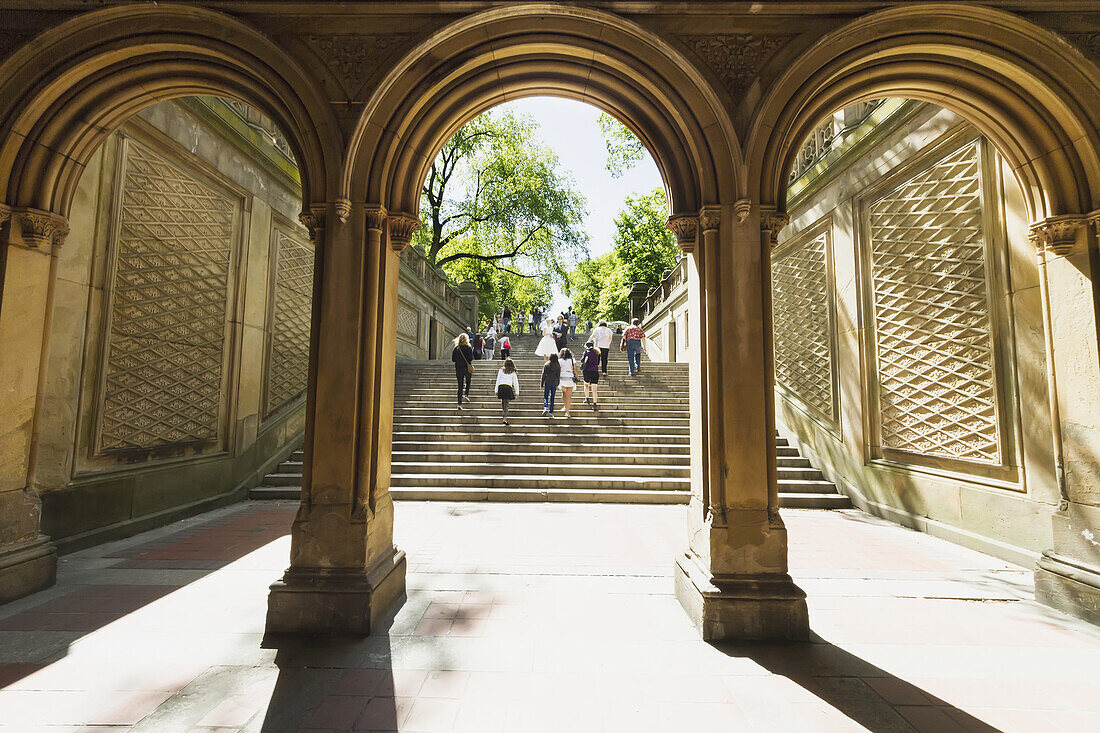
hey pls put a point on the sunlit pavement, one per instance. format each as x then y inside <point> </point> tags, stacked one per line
<point>542,618</point>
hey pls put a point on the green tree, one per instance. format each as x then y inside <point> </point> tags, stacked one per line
<point>624,149</point>
<point>495,200</point>
<point>642,241</point>
<point>643,250</point>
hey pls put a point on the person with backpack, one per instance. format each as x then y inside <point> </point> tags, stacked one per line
<point>507,387</point>
<point>463,357</point>
<point>505,347</point>
<point>590,373</point>
<point>567,378</point>
<point>551,377</point>
<point>479,347</point>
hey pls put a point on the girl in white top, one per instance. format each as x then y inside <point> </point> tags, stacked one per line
<point>568,375</point>
<point>547,345</point>
<point>507,387</point>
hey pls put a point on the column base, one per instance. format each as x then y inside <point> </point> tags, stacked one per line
<point>1069,586</point>
<point>336,601</point>
<point>743,608</point>
<point>26,568</point>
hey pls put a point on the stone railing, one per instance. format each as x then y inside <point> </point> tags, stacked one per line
<point>430,309</point>
<point>671,281</point>
<point>829,133</point>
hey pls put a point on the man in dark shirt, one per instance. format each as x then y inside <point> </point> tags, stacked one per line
<point>507,319</point>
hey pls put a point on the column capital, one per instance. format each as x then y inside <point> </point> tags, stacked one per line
<point>313,219</point>
<point>1094,219</point>
<point>41,229</point>
<point>376,216</point>
<point>683,226</point>
<point>710,218</point>
<point>5,213</point>
<point>402,228</point>
<point>771,221</point>
<point>1057,234</point>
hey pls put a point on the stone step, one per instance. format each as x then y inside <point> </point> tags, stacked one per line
<point>511,481</point>
<point>607,469</point>
<point>508,435</point>
<point>576,423</point>
<point>814,501</point>
<point>531,411</point>
<point>538,447</point>
<point>558,457</point>
<point>803,486</point>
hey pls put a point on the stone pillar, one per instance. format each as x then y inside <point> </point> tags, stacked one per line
<point>732,580</point>
<point>31,240</point>
<point>1068,575</point>
<point>472,298</point>
<point>345,573</point>
<point>638,293</point>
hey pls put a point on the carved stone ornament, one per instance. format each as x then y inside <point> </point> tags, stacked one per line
<point>710,218</point>
<point>343,210</point>
<point>741,209</point>
<point>314,221</point>
<point>402,227</point>
<point>376,216</point>
<point>1057,234</point>
<point>736,58</point>
<point>354,58</point>
<point>1088,43</point>
<point>5,213</point>
<point>683,226</point>
<point>1094,219</point>
<point>42,228</point>
<point>771,222</point>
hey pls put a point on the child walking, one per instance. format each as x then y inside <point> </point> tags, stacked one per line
<point>551,376</point>
<point>568,377</point>
<point>590,369</point>
<point>507,387</point>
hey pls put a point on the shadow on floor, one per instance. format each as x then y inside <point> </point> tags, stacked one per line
<point>869,695</point>
<point>41,633</point>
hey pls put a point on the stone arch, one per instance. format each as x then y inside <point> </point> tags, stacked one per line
<point>510,53</point>
<point>1032,94</point>
<point>76,83</point>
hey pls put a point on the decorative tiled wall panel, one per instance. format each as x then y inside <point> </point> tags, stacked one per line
<point>408,322</point>
<point>292,300</point>
<point>165,355</point>
<point>933,334</point>
<point>805,359</point>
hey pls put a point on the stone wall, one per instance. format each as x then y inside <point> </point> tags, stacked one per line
<point>180,334</point>
<point>665,316</point>
<point>909,336</point>
<point>908,330</point>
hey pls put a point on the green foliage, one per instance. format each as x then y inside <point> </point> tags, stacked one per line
<point>624,149</point>
<point>644,249</point>
<point>497,211</point>
<point>642,242</point>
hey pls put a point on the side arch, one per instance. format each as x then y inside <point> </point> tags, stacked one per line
<point>509,53</point>
<point>1029,91</point>
<point>67,90</point>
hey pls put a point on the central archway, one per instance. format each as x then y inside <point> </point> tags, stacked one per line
<point>733,577</point>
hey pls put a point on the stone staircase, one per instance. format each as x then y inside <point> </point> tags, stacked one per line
<point>634,449</point>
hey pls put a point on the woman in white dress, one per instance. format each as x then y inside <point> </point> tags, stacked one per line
<point>547,345</point>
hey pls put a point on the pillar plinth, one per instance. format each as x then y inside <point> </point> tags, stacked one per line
<point>336,601</point>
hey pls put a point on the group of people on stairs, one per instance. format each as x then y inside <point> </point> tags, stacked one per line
<point>560,369</point>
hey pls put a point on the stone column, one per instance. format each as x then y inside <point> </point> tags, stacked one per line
<point>345,573</point>
<point>1068,575</point>
<point>732,580</point>
<point>638,293</point>
<point>468,291</point>
<point>31,240</point>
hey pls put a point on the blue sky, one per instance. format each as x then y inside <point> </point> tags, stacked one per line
<point>570,129</point>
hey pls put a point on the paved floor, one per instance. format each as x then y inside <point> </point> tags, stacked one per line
<point>542,618</point>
